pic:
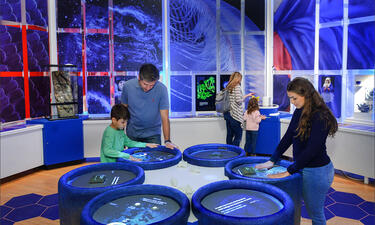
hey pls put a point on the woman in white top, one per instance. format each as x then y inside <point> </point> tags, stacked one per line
<point>234,118</point>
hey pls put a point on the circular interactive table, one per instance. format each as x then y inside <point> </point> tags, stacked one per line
<point>241,202</point>
<point>243,168</point>
<point>212,155</point>
<point>138,204</point>
<point>153,158</point>
<point>78,186</point>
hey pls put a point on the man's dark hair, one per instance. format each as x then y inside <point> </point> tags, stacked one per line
<point>120,111</point>
<point>148,72</point>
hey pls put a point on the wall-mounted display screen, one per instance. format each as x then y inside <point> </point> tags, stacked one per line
<point>96,14</point>
<point>39,96</point>
<point>12,99</point>
<point>98,95</point>
<point>37,50</point>
<point>224,80</point>
<point>36,12</point>
<point>205,92</point>
<point>10,49</point>
<point>70,49</point>
<point>97,52</point>
<point>119,83</point>
<point>69,14</point>
<point>330,90</point>
<point>181,90</point>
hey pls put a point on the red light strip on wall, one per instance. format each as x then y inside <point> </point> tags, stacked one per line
<point>26,72</point>
<point>10,74</point>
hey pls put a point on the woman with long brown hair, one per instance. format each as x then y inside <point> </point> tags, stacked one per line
<point>312,122</point>
<point>234,118</point>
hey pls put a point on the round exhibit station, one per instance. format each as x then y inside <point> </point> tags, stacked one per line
<point>138,204</point>
<point>242,202</point>
<point>212,155</point>
<point>243,168</point>
<point>153,158</point>
<point>78,186</point>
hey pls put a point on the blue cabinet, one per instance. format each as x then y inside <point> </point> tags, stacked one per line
<point>269,131</point>
<point>62,140</point>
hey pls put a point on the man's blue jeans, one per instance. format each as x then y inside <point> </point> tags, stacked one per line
<point>316,183</point>
<point>156,139</point>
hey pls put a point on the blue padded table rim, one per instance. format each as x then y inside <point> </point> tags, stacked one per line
<point>66,178</point>
<point>236,162</point>
<point>180,217</point>
<point>188,155</point>
<point>285,214</point>
<point>154,165</point>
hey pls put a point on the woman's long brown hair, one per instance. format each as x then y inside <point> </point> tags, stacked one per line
<point>235,78</point>
<point>313,103</point>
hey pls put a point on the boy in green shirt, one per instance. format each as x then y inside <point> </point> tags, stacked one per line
<point>114,138</point>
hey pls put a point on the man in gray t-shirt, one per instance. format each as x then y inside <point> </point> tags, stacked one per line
<point>148,104</point>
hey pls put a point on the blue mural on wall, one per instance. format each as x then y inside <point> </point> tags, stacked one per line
<point>10,10</point>
<point>98,95</point>
<point>36,12</point>
<point>327,14</point>
<point>69,14</point>
<point>12,99</point>
<point>137,29</point>
<point>77,87</point>
<point>70,49</point>
<point>181,92</point>
<point>97,52</point>
<point>280,97</point>
<point>330,48</point>
<point>96,14</point>
<point>37,50</point>
<point>119,83</point>
<point>39,96</point>
<point>10,49</point>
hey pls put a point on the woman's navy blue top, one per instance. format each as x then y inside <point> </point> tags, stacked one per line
<point>308,153</point>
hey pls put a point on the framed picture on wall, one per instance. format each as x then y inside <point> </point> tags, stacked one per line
<point>205,92</point>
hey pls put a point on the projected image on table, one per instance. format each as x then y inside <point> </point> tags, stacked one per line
<point>12,99</point>
<point>219,153</point>
<point>96,14</point>
<point>241,203</point>
<point>205,92</point>
<point>10,49</point>
<point>36,12</point>
<point>137,27</point>
<point>98,95</point>
<point>102,178</point>
<point>152,155</point>
<point>249,170</point>
<point>97,52</point>
<point>137,209</point>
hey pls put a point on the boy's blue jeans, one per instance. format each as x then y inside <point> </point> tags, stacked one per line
<point>316,183</point>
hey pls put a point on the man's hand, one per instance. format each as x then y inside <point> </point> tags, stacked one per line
<point>151,145</point>
<point>170,145</point>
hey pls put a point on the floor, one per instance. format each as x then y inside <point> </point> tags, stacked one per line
<point>32,200</point>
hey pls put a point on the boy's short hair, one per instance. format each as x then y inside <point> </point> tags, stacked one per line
<point>120,111</point>
<point>149,72</point>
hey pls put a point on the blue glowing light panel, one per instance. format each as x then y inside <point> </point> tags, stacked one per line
<point>254,52</point>
<point>329,15</point>
<point>37,50</point>
<point>119,83</point>
<point>96,14</point>
<point>69,14</point>
<point>36,12</point>
<point>39,96</point>
<point>10,49</point>
<point>193,35</point>
<point>70,49</point>
<point>12,99</point>
<point>181,91</point>
<point>255,84</point>
<point>98,95</point>
<point>330,90</point>
<point>231,55</point>
<point>230,15</point>
<point>205,92</point>
<point>77,88</point>
<point>97,52</point>
<point>137,29</point>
